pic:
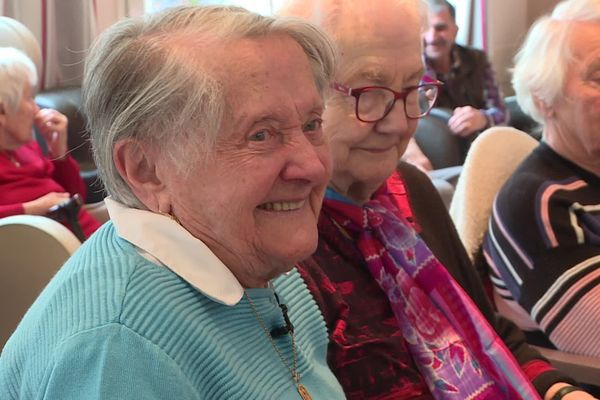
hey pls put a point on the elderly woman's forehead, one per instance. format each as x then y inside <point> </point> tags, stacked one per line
<point>249,58</point>
<point>370,40</point>
<point>191,45</point>
<point>366,25</point>
<point>364,15</point>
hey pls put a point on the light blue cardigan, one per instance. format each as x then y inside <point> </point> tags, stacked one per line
<point>112,325</point>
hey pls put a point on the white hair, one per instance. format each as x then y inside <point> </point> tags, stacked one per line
<point>542,62</point>
<point>16,71</point>
<point>142,82</point>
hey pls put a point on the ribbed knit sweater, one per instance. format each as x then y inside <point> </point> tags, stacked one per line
<point>543,248</point>
<point>113,325</point>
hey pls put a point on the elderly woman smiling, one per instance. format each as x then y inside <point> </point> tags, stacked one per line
<point>206,127</point>
<point>389,271</point>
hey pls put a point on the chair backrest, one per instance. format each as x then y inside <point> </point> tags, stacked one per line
<point>491,160</point>
<point>15,34</point>
<point>436,140</point>
<point>32,249</point>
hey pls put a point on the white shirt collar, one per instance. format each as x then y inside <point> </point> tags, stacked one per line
<point>175,248</point>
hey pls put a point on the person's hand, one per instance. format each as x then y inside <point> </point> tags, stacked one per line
<point>415,156</point>
<point>576,395</point>
<point>579,395</point>
<point>467,120</point>
<point>41,205</point>
<point>53,127</point>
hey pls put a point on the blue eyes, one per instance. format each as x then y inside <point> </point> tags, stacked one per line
<point>259,136</point>
<point>313,125</point>
<point>264,135</point>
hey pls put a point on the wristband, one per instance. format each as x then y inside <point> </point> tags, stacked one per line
<point>563,391</point>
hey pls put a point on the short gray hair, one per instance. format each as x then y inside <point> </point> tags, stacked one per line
<point>139,82</point>
<point>436,6</point>
<point>16,71</point>
<point>541,63</point>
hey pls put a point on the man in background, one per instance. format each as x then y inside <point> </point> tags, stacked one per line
<point>470,91</point>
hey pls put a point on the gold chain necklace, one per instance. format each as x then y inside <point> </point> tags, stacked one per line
<point>294,369</point>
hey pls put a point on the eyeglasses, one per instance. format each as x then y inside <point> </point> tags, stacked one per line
<point>373,103</point>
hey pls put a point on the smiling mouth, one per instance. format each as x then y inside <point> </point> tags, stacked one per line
<point>282,205</point>
<point>438,43</point>
<point>383,150</point>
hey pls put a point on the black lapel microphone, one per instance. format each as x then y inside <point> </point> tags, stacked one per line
<point>282,330</point>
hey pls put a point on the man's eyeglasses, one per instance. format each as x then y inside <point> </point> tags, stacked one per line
<point>373,103</point>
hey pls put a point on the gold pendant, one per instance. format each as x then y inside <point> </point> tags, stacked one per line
<point>303,392</point>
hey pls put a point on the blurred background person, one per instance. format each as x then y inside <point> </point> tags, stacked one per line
<point>31,182</point>
<point>543,244</point>
<point>389,269</point>
<point>206,128</point>
<point>470,90</point>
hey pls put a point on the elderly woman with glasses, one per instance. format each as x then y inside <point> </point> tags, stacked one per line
<point>206,128</point>
<point>407,315</point>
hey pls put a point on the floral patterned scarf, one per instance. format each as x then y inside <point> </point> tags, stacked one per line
<point>456,350</point>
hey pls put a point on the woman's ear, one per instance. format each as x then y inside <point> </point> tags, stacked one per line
<point>137,164</point>
<point>546,110</point>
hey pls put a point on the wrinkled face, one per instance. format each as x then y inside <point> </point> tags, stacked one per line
<point>439,38</point>
<point>386,52</point>
<point>578,111</point>
<point>256,203</point>
<point>18,124</point>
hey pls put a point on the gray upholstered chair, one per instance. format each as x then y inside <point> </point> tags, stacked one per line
<point>521,121</point>
<point>32,249</point>
<point>437,141</point>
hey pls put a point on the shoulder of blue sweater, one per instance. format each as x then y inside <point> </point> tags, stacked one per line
<point>95,285</point>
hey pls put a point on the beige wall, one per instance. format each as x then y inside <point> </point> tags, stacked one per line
<point>508,22</point>
<point>536,8</point>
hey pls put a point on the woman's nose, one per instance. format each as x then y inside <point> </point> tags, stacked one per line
<point>395,122</point>
<point>308,161</point>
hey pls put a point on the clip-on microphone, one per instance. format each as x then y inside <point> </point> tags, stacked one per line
<point>282,330</point>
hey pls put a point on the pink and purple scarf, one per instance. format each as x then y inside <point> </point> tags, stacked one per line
<point>456,350</point>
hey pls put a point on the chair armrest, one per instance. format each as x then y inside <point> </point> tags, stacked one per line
<point>32,249</point>
<point>436,140</point>
<point>17,224</point>
<point>584,369</point>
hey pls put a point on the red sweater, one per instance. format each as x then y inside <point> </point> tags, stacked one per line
<point>36,176</point>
